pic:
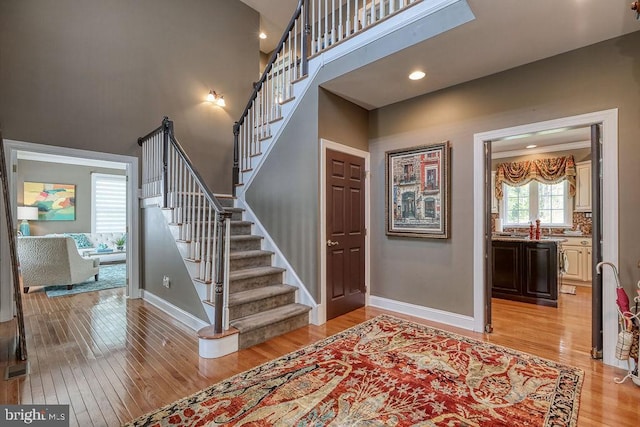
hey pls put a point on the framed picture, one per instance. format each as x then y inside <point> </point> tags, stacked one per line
<point>55,202</point>
<point>417,191</point>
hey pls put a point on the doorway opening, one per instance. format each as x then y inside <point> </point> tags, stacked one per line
<point>84,172</point>
<point>482,233</point>
<point>534,178</point>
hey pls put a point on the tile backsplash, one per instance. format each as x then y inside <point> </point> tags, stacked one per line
<point>580,222</point>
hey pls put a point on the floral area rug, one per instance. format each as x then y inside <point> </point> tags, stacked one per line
<point>388,372</point>
<point>110,276</point>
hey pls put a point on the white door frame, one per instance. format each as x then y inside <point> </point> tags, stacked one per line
<point>133,269</point>
<point>325,145</point>
<point>609,121</point>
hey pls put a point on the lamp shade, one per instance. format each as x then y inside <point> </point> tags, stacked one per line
<point>27,212</point>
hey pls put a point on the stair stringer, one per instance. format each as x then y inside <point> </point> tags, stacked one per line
<point>300,89</point>
<point>279,260</point>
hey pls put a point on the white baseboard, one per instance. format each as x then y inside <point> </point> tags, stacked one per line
<point>177,313</point>
<point>432,314</point>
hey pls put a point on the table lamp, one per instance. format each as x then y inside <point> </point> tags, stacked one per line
<point>25,213</point>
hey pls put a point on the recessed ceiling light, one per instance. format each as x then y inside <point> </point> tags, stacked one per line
<point>531,146</point>
<point>262,36</point>
<point>416,75</point>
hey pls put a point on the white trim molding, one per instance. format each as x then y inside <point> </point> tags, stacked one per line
<point>610,231</point>
<point>431,314</point>
<point>325,145</point>
<point>176,312</point>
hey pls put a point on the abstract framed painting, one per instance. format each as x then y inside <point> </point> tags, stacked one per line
<point>55,202</point>
<point>417,191</point>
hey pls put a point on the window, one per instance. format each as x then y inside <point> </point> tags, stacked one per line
<point>109,203</point>
<point>548,202</point>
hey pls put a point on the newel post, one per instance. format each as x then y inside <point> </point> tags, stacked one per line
<point>218,290</point>
<point>236,158</point>
<point>306,39</point>
<point>167,128</point>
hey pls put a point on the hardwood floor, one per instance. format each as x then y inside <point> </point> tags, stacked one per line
<point>114,359</point>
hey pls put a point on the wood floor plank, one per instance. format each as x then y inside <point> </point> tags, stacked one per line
<point>115,359</point>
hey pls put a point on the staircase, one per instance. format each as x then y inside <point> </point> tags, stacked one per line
<point>260,305</point>
<point>241,289</point>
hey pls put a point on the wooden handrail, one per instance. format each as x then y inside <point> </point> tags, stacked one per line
<point>272,60</point>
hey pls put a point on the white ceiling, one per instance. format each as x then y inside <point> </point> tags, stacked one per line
<point>274,17</point>
<point>547,141</point>
<point>505,34</point>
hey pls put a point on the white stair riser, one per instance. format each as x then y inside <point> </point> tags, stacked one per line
<point>193,268</point>
<point>168,215</point>
<point>183,248</point>
<point>203,291</point>
<point>211,349</point>
<point>175,231</point>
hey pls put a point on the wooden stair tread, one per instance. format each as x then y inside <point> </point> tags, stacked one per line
<point>254,272</point>
<point>208,333</point>
<point>287,100</point>
<point>258,294</point>
<point>265,318</point>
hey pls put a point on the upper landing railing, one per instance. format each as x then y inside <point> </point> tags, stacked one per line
<point>316,25</point>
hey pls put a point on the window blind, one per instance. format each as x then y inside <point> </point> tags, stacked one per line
<point>109,203</point>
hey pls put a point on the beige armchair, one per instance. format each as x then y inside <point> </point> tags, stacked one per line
<point>53,261</point>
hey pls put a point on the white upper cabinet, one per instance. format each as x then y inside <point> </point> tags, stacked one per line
<point>583,187</point>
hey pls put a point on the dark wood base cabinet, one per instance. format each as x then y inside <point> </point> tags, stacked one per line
<point>525,271</point>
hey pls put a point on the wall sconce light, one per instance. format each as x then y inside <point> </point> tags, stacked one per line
<point>26,213</point>
<point>216,98</point>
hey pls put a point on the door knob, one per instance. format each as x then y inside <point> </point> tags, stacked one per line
<point>332,243</point>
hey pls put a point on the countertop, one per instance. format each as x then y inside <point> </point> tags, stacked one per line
<point>514,237</point>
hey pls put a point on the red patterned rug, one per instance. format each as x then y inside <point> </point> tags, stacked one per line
<point>388,372</point>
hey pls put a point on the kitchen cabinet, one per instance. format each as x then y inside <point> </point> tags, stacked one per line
<point>525,271</point>
<point>494,201</point>
<point>583,187</point>
<point>579,263</point>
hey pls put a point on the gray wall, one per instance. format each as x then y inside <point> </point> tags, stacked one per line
<point>342,121</point>
<point>284,194</point>
<point>98,74</point>
<point>289,208</point>
<point>438,274</point>
<point>162,258</point>
<point>34,171</point>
